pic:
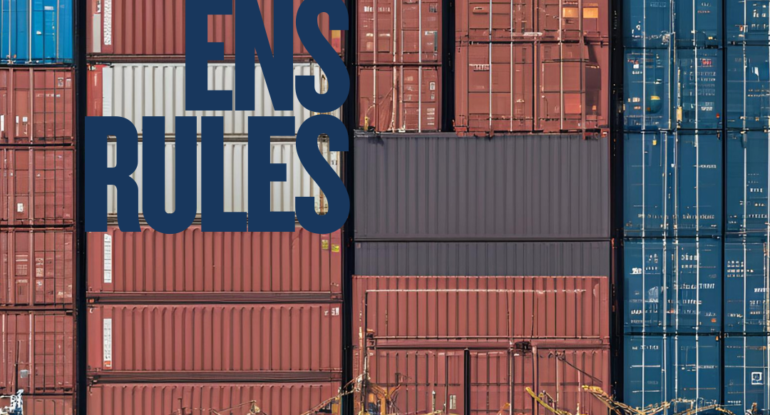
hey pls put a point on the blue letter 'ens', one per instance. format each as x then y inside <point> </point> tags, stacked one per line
<point>199,53</point>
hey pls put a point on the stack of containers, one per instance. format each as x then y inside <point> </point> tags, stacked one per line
<point>37,211</point>
<point>198,321</point>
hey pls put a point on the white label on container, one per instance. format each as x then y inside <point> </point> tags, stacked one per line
<point>49,8</point>
<point>756,378</point>
<point>2,123</point>
<point>107,259</point>
<point>107,342</point>
<point>20,207</point>
<point>107,22</point>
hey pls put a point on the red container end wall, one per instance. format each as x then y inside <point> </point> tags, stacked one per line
<point>400,31</point>
<point>526,87</point>
<point>36,106</point>
<point>399,98</point>
<point>38,267</point>
<point>139,30</point>
<point>37,185</point>
<point>44,405</point>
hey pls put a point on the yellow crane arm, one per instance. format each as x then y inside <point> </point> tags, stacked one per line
<point>539,399</point>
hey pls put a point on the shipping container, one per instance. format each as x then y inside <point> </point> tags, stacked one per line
<point>526,87</point>
<point>658,369</point>
<point>219,342</point>
<point>672,286</point>
<point>747,22</point>
<point>748,87</point>
<point>214,266</point>
<point>146,31</point>
<point>699,88</point>
<point>133,91</point>
<point>298,182</point>
<point>37,185</point>
<point>399,98</point>
<point>38,353</point>
<point>401,31</point>
<point>483,258</point>
<point>659,24</point>
<point>746,286</point>
<point>36,32</point>
<point>394,310</point>
<point>43,405</point>
<point>36,106</point>
<point>206,398</point>
<point>745,374</point>
<point>38,267</point>
<point>747,181</point>
<point>672,184</point>
<point>439,187</point>
<point>647,95</point>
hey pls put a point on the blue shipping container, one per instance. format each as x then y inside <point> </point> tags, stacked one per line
<point>699,89</point>
<point>658,24</point>
<point>745,375</point>
<point>672,286</point>
<point>662,368</point>
<point>647,89</point>
<point>747,181</point>
<point>748,87</point>
<point>747,21</point>
<point>698,23</point>
<point>36,31</point>
<point>672,184</point>
<point>746,286</point>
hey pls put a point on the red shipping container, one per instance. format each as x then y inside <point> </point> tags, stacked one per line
<point>401,31</point>
<point>412,310</point>
<point>214,341</point>
<point>399,98</point>
<point>39,353</point>
<point>200,399</point>
<point>214,266</point>
<point>37,185</point>
<point>44,405</point>
<point>36,106</point>
<point>38,267</point>
<point>142,31</point>
<point>548,88</point>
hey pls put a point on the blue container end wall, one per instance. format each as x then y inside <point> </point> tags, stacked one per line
<point>36,31</point>
<point>748,166</point>
<point>745,374</point>
<point>746,286</point>
<point>659,24</point>
<point>748,87</point>
<point>746,21</point>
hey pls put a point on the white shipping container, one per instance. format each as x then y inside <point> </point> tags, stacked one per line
<point>134,91</point>
<point>236,182</point>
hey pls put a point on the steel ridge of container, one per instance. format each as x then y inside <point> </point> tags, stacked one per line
<point>746,184</point>
<point>37,33</point>
<point>746,88</point>
<point>44,405</point>
<point>37,105</point>
<point>660,24</point>
<point>745,372</point>
<point>746,286</point>
<point>143,32</point>
<point>214,267</point>
<point>208,342</point>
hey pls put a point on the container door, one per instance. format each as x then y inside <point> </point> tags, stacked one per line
<point>697,193</point>
<point>563,372</point>
<point>747,181</point>
<point>490,382</point>
<point>22,268</point>
<point>746,371</point>
<point>22,122</point>
<point>19,199</point>
<point>746,286</point>
<point>5,110</point>
<point>18,39</point>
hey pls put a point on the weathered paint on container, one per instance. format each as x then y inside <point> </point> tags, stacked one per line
<point>133,91</point>
<point>748,166</point>
<point>36,106</point>
<point>200,398</point>
<point>483,258</point>
<point>218,266</point>
<point>213,341</point>
<point>529,87</point>
<point>298,182</point>
<point>746,286</point>
<point>745,374</point>
<point>36,32</point>
<point>672,184</point>
<point>37,185</point>
<point>647,96</point>
<point>481,309</point>
<point>400,31</point>
<point>38,267</point>
<point>399,98</point>
<point>147,31</point>
<point>672,286</point>
<point>39,353</point>
<point>435,187</point>
<point>748,87</point>
<point>44,405</point>
<point>656,24</point>
<point>747,21</point>
<point>659,369</point>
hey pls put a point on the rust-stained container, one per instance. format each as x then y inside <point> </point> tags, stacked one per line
<point>529,87</point>
<point>399,31</point>
<point>481,309</point>
<point>38,267</point>
<point>399,98</point>
<point>198,399</point>
<point>144,31</point>
<point>38,353</point>
<point>214,266</point>
<point>37,106</point>
<point>44,405</point>
<point>204,342</point>
<point>37,186</point>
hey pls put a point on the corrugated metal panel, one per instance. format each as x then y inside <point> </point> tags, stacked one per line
<point>673,286</point>
<point>198,399</point>
<point>36,106</point>
<point>747,21</point>
<point>647,98</point>
<point>491,309</point>
<point>748,167</point>
<point>748,86</point>
<point>483,258</point>
<point>746,286</point>
<point>656,24</point>
<point>38,267</point>
<point>138,90</point>
<point>221,341</point>
<point>699,87</point>
<point>400,31</point>
<point>446,187</point>
<point>220,266</point>
<point>236,198</point>
<point>36,32</point>
<point>38,185</point>
<point>44,405</point>
<point>672,184</point>
<point>745,374</point>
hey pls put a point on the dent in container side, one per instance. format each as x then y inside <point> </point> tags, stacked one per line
<point>747,182</point>
<point>746,285</point>
<point>745,373</point>
<point>36,32</point>
<point>399,31</point>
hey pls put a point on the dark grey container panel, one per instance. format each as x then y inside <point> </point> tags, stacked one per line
<point>412,187</point>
